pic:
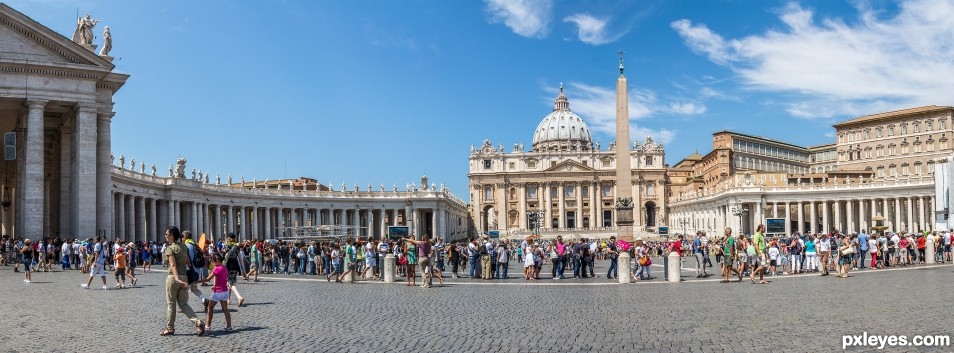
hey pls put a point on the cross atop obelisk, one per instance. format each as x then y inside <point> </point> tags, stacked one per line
<point>621,52</point>
<point>624,177</point>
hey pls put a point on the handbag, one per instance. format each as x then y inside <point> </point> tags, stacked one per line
<point>848,251</point>
<point>644,261</point>
<point>402,260</point>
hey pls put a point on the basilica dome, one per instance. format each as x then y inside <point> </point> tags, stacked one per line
<point>562,130</point>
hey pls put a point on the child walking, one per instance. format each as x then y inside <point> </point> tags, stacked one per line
<point>120,259</point>
<point>220,293</point>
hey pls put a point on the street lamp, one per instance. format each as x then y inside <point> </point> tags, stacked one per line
<point>684,222</point>
<point>740,211</point>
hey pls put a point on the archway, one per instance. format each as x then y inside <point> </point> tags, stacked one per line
<point>650,214</point>
<point>489,221</point>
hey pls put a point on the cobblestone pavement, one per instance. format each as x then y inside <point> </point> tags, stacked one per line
<point>306,314</point>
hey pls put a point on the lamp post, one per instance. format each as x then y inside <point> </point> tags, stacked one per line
<point>740,211</point>
<point>684,222</point>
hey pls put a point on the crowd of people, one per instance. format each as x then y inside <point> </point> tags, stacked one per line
<point>192,264</point>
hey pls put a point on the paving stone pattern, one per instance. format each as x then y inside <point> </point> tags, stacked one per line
<point>303,314</point>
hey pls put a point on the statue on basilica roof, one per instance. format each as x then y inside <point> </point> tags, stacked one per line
<point>84,30</point>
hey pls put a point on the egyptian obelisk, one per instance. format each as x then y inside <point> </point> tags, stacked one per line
<point>624,177</point>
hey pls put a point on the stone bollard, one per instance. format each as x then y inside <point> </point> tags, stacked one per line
<point>675,270</point>
<point>625,276</point>
<point>390,265</point>
<point>929,249</point>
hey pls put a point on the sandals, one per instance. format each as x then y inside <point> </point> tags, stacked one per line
<point>167,332</point>
<point>200,329</point>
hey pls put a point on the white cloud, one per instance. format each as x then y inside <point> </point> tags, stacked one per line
<point>834,68</point>
<point>687,108</point>
<point>597,106</point>
<point>528,18</point>
<point>591,30</point>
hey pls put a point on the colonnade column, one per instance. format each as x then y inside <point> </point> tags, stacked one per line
<point>801,219</point>
<point>788,217</point>
<point>849,221</point>
<point>120,203</point>
<point>887,216</point>
<point>141,226</point>
<point>897,212</point>
<point>268,223</point>
<point>84,173</point>
<point>130,218</point>
<point>922,220</point>
<point>910,218</point>
<point>30,180</point>
<point>153,227</point>
<point>826,227</point>
<point>874,208</point>
<point>813,216</point>
<point>104,200</point>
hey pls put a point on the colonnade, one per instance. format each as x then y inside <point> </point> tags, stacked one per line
<point>140,217</point>
<point>848,215</point>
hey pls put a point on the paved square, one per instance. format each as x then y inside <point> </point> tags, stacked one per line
<point>302,313</point>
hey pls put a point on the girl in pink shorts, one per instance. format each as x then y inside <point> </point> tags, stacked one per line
<point>220,293</point>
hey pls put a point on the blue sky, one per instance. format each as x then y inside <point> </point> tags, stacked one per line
<point>382,92</point>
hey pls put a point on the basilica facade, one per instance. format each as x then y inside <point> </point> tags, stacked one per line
<point>564,183</point>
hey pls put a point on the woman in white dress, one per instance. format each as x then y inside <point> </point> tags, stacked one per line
<point>528,263</point>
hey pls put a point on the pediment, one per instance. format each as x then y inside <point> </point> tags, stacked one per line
<point>23,40</point>
<point>569,166</point>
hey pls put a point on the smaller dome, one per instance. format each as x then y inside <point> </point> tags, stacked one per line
<point>562,130</point>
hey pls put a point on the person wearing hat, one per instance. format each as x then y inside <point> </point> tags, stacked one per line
<point>26,254</point>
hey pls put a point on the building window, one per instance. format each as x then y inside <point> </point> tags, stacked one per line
<point>649,161</point>
<point>930,146</point>
<point>904,169</point>
<point>904,129</point>
<point>606,163</point>
<point>512,165</point>
<point>930,167</point>
<point>554,193</point>
<point>928,126</point>
<point>878,132</point>
<point>532,192</point>
<point>552,164</point>
<point>917,148</point>
<point>531,164</point>
<point>917,128</point>
<point>486,164</point>
<point>880,172</point>
<point>585,191</point>
<point>891,130</point>
<point>607,190</point>
<point>904,149</point>
<point>942,123</point>
<point>650,189</point>
<point>867,134</point>
<point>893,170</point>
<point>568,191</point>
<point>917,168</point>
<point>488,194</point>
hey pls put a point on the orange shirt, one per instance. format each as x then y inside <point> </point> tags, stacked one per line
<point>120,260</point>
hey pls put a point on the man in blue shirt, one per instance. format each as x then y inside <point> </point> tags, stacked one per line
<point>863,249</point>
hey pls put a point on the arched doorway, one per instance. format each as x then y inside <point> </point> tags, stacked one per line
<point>650,214</point>
<point>489,220</point>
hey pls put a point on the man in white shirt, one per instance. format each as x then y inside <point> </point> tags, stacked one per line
<point>65,252</point>
<point>823,246</point>
<point>99,261</point>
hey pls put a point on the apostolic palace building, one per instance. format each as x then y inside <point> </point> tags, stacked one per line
<point>880,164</point>
<point>564,183</point>
<point>61,179</point>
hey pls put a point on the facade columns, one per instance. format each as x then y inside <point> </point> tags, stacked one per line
<point>579,206</point>
<point>561,205</point>
<point>813,217</point>
<point>548,206</point>
<point>595,222</point>
<point>130,218</point>
<point>788,219</point>
<point>897,212</point>
<point>268,223</point>
<point>826,227</point>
